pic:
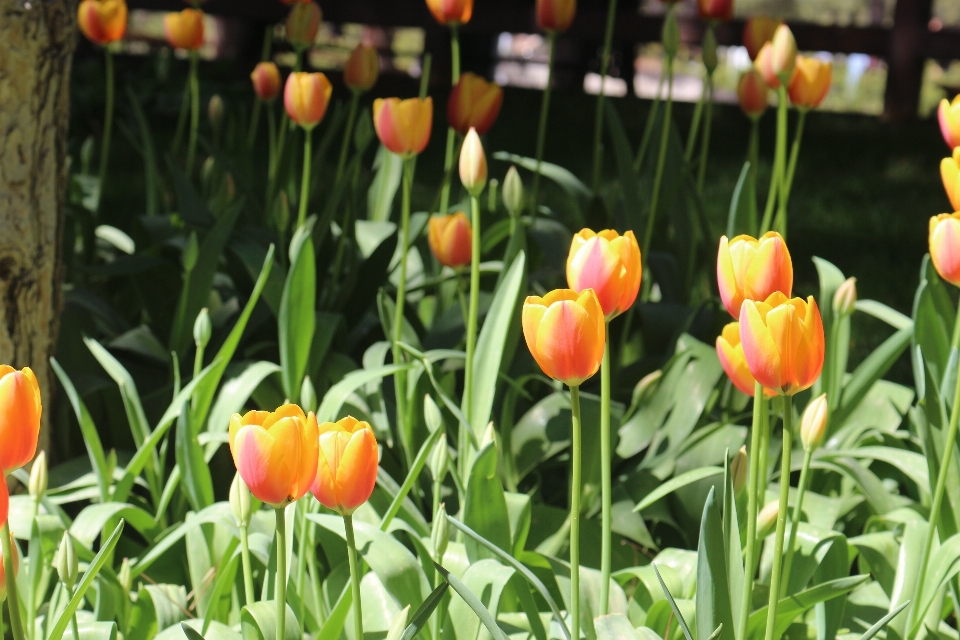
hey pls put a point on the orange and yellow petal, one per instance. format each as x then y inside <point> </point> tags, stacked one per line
<point>264,464</point>
<point>945,246</point>
<point>20,413</point>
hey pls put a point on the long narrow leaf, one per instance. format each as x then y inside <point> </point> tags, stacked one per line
<point>411,478</point>
<point>679,481</point>
<point>423,613</point>
<point>472,601</point>
<point>673,605</point>
<point>882,622</point>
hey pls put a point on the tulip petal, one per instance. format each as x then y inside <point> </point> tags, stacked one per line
<point>325,487</point>
<point>759,347</point>
<point>357,472</point>
<point>597,265</point>
<point>531,318</point>
<point>20,413</point>
<point>263,463</point>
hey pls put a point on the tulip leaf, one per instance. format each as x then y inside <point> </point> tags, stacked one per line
<point>157,607</point>
<point>563,177</point>
<point>792,607</point>
<point>881,311</point>
<point>333,627</point>
<point>297,319</point>
<point>713,593</point>
<point>333,400</point>
<point>870,370</point>
<point>629,178</point>
<point>197,482</point>
<point>485,509</point>
<point>422,615</point>
<point>472,601</point>
<point>190,632</point>
<point>411,478</point>
<point>233,397</point>
<point>740,201</point>
<point>258,621</point>
<point>615,626</point>
<point>677,482</point>
<point>386,182</point>
<point>673,605</point>
<point>90,522</point>
<point>884,621</point>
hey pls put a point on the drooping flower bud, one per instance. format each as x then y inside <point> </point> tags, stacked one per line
<point>439,460</point>
<point>440,535</point>
<point>125,575</point>
<point>39,477</point>
<point>66,561</point>
<point>813,424</point>
<point>513,192</point>
<point>845,298</point>
<point>431,414</point>
<point>241,501</point>
<point>202,329</point>
<point>473,164</point>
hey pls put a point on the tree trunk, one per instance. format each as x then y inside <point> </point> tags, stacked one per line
<point>37,38</point>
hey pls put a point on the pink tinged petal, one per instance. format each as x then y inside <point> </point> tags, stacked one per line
<point>945,249</point>
<point>784,327</point>
<point>597,266</point>
<point>759,348</point>
<point>559,340</point>
<point>325,487</point>
<point>261,468</point>
<point>532,317</point>
<point>726,279</point>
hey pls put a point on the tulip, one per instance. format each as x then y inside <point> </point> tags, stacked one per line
<point>813,424</point>
<point>730,354</point>
<point>184,30</point>
<point>944,248</point>
<point>347,471</point>
<point>767,518</point>
<point>738,471</point>
<point>474,103</point>
<point>403,126</point>
<point>783,53</point>
<point>450,239</point>
<point>950,174</point>
<point>362,68</point>
<point>555,15</point>
<point>810,82</point>
<point>451,12</point>
<point>783,342</point>
<point>306,97</point>
<point>303,23</point>
<point>757,32</point>
<point>513,196</point>
<point>473,164</point>
<point>39,478</point>
<point>20,410</point>
<point>720,10</point>
<point>266,81</point>
<point>275,453</point>
<point>949,116</point>
<point>103,21</point>
<point>66,562</point>
<point>750,269</point>
<point>289,2</point>
<point>752,93</point>
<point>609,264</point>
<point>763,65</point>
<point>845,298</point>
<point>215,110</point>
<point>566,334</point>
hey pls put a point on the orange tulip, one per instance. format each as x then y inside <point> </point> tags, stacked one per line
<point>303,23</point>
<point>810,82</point>
<point>362,68</point>
<point>944,246</point>
<point>752,93</point>
<point>763,65</point>
<point>452,12</point>
<point>751,269</point>
<point>950,174</point>
<point>609,264</point>
<point>275,452</point>
<point>555,15</point>
<point>306,97</point>
<point>730,354</point>
<point>403,126</point>
<point>103,21</point>
<point>783,342</point>
<point>757,32</point>
<point>566,334</point>
<point>451,239</point>
<point>347,471</point>
<point>20,411</point>
<point>184,30</point>
<point>949,116</point>
<point>266,81</point>
<point>721,10</point>
<point>474,102</point>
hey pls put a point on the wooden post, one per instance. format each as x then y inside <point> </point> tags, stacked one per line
<point>905,60</point>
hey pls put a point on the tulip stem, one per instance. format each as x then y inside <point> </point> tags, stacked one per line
<point>472,315</point>
<point>781,517</point>
<point>648,127</point>
<point>400,379</point>
<point>934,519</point>
<point>107,123</point>
<point>74,626</point>
<point>781,223</point>
<point>347,135</point>
<point>257,103</point>
<point>354,576</point>
<point>247,566</point>
<point>705,145</point>
<point>753,155</point>
<point>598,120</point>
<point>305,179</point>
<point>280,589</point>
<point>194,110</point>
<point>575,510</point>
<point>753,484</point>
<point>13,598</point>
<point>695,125</point>
<point>779,159</point>
<point>451,134</point>
<point>795,526</point>
<point>606,488</point>
<point>542,128</point>
<point>181,120</point>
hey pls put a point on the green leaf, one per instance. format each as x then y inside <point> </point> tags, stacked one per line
<point>420,617</point>
<point>629,178</point>
<point>870,370</point>
<point>128,390</point>
<point>713,596</point>
<point>333,627</point>
<point>673,605</point>
<point>485,509</point>
<point>567,181</point>
<point>190,632</point>
<point>736,201</point>
<point>297,318</point>
<point>334,398</point>
<point>792,607</point>
<point>96,631</point>
<point>884,621</point>
<point>258,621</point>
<point>472,601</point>
<point>615,626</point>
<point>881,311</point>
<point>233,397</point>
<point>157,607</point>
<point>411,478</point>
<point>90,522</point>
<point>383,189</point>
<point>197,482</point>
<point>677,482</point>
<point>218,513</point>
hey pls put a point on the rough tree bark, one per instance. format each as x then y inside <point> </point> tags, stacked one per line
<point>37,38</point>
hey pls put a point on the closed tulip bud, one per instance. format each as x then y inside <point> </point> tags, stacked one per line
<point>473,164</point>
<point>347,471</point>
<point>362,68</point>
<point>431,414</point>
<point>39,477</point>
<point>767,518</point>
<point>66,561</point>
<point>191,252</point>
<point>475,103</point>
<point>555,15</point>
<point>513,192</point>
<point>845,298</point>
<point>950,174</point>
<point>948,114</point>
<point>757,32</point>
<point>489,436</point>
<point>671,34</point>
<point>451,239</point>
<point>303,23</point>
<point>184,30</point>
<point>451,12</point>
<point>215,110</point>
<point>16,568</point>
<point>266,81</point>
<point>783,342</point>
<point>241,502</point>
<point>566,334</point>
<point>751,269</point>
<point>810,82</point>
<point>783,53</point>
<point>609,264</point>
<point>202,329</point>
<point>20,411</point>
<point>275,452</point>
<point>944,249</point>
<point>440,533</point>
<point>752,92</point>
<point>399,624</point>
<point>738,471</point>
<point>709,51</point>
<point>813,424</point>
<point>306,97</point>
<point>439,460</point>
<point>103,21</point>
<point>403,126</point>
<point>308,394</point>
<point>125,575</point>
<point>719,10</point>
<point>734,363</point>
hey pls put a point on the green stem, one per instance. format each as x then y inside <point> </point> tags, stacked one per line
<point>657,180</point>
<point>753,500</point>
<point>194,110</point>
<point>451,134</point>
<point>648,127</point>
<point>13,598</point>
<point>257,103</point>
<point>305,179</point>
<point>695,125</point>
<point>465,443</point>
<point>347,135</point>
<point>795,526</point>
<point>181,120</point>
<point>788,176</point>
<point>598,120</point>
<point>776,179</point>
<point>247,566</point>
<point>575,511</point>
<point>705,145</point>
<point>302,555</point>
<point>354,577</point>
<point>606,488</point>
<point>75,626</point>
<point>781,518</point>
<point>281,586</point>
<point>753,155</point>
<point>107,123</point>
<point>400,380</point>
<point>542,127</point>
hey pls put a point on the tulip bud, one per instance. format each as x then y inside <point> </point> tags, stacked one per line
<point>266,81</point>
<point>810,82</point>
<point>609,264</point>
<point>440,535</point>
<point>306,97</point>
<point>757,32</point>
<point>125,575</point>
<point>241,501</point>
<point>202,329</point>
<point>38,477</point>
<point>184,30</point>
<point>399,624</point>
<point>474,103</point>
<point>403,125</point>
<point>783,53</point>
<point>813,424</point>
<point>431,414</point>
<point>555,16</point>
<point>191,252</point>
<point>308,394</point>
<point>451,239</point>
<point>20,424</point>
<point>671,34</point>
<point>845,298</point>
<point>489,436</point>
<point>715,10</point>
<point>709,50</point>
<point>303,23</point>
<point>738,471</point>
<point>347,470</point>
<point>439,459</point>
<point>66,561</point>
<point>102,21</point>
<point>752,93</point>
<point>565,333</point>
<point>767,518</point>
<point>513,192</point>
<point>362,69</point>
<point>473,164</point>
<point>451,12</point>
<point>948,115</point>
<point>215,110</point>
